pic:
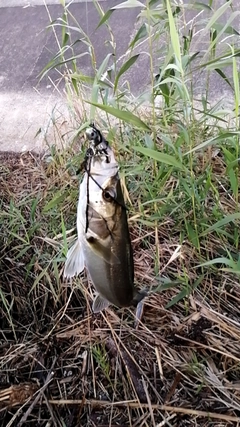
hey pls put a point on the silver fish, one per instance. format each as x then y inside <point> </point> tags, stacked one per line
<point>103,245</point>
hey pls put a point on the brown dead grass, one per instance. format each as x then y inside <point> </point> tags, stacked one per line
<point>61,365</point>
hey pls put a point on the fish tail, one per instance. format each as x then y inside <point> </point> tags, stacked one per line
<point>139,295</point>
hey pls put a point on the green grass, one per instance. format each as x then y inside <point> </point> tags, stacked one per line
<point>179,154</point>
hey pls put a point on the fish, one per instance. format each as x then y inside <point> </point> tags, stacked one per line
<point>103,244</point>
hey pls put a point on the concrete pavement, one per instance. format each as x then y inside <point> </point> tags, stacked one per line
<point>26,47</point>
<point>26,105</point>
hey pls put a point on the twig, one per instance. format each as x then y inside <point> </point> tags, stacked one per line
<point>134,405</point>
<point>39,394</point>
<point>131,368</point>
<point>208,347</point>
<point>173,387</point>
<point>149,402</point>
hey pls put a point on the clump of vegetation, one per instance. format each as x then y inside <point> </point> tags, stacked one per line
<point>179,153</point>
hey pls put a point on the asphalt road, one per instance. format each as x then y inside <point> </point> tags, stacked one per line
<point>27,104</point>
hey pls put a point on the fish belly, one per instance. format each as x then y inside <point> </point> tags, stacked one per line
<point>111,281</point>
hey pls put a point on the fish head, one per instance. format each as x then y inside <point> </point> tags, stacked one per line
<point>107,199</point>
<point>103,183</point>
<point>100,190</point>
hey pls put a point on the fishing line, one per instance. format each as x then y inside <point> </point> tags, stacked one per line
<point>87,207</point>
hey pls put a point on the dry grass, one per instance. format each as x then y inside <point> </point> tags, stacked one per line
<point>61,365</point>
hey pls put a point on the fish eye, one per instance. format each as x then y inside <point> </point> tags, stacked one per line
<point>109,195</point>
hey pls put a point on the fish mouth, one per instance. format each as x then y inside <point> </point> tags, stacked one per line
<point>98,144</point>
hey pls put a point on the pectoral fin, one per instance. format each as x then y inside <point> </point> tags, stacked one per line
<point>75,261</point>
<point>102,251</point>
<point>99,304</point>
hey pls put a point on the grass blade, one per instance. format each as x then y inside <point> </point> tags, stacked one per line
<point>124,68</point>
<point>129,4</point>
<point>160,157</point>
<point>174,37</point>
<point>212,141</point>
<point>224,221</point>
<point>125,116</point>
